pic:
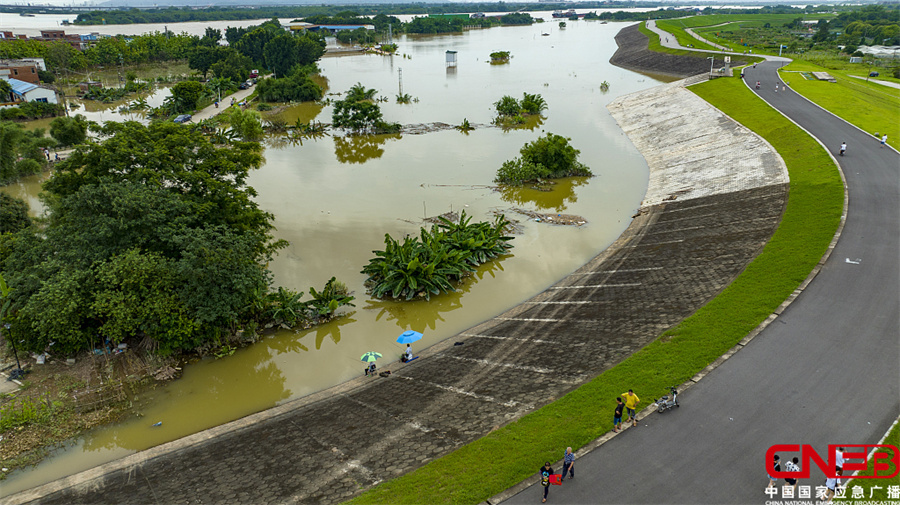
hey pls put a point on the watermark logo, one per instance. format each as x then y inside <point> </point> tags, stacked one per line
<point>856,458</point>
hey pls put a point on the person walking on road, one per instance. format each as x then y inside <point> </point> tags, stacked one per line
<point>843,148</point>
<point>884,140</point>
<point>839,464</point>
<point>792,466</point>
<point>568,464</point>
<point>617,417</point>
<point>631,401</point>
<point>776,465</point>
<point>546,471</point>
<point>830,484</point>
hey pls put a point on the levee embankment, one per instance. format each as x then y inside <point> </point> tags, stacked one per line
<point>716,195</point>
<point>634,54</point>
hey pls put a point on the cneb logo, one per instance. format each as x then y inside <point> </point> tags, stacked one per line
<point>855,458</point>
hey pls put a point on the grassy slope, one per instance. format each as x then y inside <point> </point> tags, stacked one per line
<point>871,107</point>
<point>515,451</point>
<point>676,28</point>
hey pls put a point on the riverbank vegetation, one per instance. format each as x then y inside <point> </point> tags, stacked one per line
<point>811,217</point>
<point>437,259</point>
<point>548,157</point>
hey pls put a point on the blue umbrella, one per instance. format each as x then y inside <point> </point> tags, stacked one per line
<point>409,337</point>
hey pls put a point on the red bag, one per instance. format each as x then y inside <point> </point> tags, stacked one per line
<point>556,479</point>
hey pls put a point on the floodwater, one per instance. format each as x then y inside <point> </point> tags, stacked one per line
<point>335,198</point>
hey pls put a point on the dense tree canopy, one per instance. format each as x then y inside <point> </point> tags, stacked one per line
<point>20,151</point>
<point>152,232</point>
<point>186,94</point>
<point>69,130</point>
<point>13,214</point>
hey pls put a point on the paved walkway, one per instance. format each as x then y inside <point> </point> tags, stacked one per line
<point>876,81</point>
<point>826,370</point>
<point>212,110</point>
<point>674,257</point>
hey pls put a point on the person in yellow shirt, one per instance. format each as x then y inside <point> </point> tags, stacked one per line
<point>631,401</point>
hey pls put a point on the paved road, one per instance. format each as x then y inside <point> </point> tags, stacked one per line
<point>826,371</point>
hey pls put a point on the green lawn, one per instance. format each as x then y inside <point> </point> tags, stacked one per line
<point>876,489</point>
<point>676,28</point>
<point>514,452</point>
<point>654,45</point>
<point>871,107</point>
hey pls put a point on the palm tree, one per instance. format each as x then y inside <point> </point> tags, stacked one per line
<point>359,92</point>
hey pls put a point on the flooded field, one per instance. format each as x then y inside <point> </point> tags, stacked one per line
<point>334,198</point>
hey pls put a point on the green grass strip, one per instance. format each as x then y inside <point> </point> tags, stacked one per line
<point>876,490</point>
<point>676,28</point>
<point>655,45</point>
<point>507,456</point>
<point>871,107</point>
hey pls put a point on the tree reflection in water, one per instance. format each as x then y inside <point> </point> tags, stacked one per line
<point>422,313</point>
<point>531,122</point>
<point>361,148</point>
<point>551,196</point>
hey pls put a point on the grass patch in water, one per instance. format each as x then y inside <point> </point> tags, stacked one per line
<point>811,217</point>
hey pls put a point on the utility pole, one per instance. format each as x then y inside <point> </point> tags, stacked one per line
<point>400,73</point>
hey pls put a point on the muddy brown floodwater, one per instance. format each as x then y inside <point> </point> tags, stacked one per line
<point>334,199</point>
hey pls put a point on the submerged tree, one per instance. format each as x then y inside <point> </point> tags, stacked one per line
<point>548,157</point>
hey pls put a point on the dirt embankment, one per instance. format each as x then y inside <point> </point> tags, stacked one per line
<point>633,54</point>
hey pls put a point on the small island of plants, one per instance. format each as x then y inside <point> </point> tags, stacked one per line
<point>498,57</point>
<point>549,157</point>
<point>436,260</point>
<point>512,112</point>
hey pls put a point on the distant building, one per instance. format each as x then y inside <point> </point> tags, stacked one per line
<point>27,92</point>
<point>21,69</point>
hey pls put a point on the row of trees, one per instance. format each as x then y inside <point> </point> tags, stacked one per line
<point>108,51</point>
<point>168,248</point>
<point>291,58</point>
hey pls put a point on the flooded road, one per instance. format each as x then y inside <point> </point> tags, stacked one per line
<point>335,198</point>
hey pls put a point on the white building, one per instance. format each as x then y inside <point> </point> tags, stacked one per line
<point>26,92</point>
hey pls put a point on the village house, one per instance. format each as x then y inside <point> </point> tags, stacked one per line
<point>27,92</point>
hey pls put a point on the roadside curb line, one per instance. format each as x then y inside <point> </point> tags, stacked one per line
<point>606,437</point>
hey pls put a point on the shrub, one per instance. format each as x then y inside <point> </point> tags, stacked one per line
<point>548,157</point>
<point>431,263</point>
<point>500,56</point>
<point>533,104</point>
<point>507,106</point>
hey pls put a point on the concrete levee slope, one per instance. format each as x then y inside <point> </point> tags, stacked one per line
<point>692,149</point>
<point>700,225</point>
